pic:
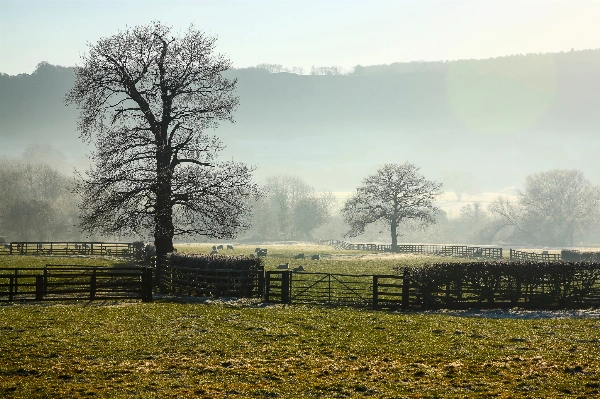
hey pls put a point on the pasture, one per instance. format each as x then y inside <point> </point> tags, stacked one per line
<point>331,260</point>
<point>196,348</point>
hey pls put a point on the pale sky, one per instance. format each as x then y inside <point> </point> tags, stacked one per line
<point>303,33</point>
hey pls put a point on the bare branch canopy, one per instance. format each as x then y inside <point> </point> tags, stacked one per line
<point>395,193</point>
<point>146,97</point>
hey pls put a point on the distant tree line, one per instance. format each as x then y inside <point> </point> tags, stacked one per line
<point>36,203</point>
<point>289,209</point>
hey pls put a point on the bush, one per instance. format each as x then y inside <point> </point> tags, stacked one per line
<point>506,284</point>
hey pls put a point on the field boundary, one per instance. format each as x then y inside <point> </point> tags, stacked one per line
<point>460,251</point>
<point>552,285</point>
<point>65,248</point>
<point>75,282</point>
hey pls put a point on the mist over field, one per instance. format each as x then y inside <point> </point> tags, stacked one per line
<point>479,127</point>
<point>492,122</point>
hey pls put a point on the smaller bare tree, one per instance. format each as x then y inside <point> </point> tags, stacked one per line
<point>396,193</point>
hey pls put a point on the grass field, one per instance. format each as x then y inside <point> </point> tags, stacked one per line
<point>229,349</point>
<point>331,261</point>
<point>175,350</point>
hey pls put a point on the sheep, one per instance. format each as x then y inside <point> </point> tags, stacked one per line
<point>214,247</point>
<point>220,247</point>
<point>284,266</point>
<point>230,247</point>
<point>214,252</point>
<point>299,256</point>
<point>315,257</point>
<point>262,252</point>
<point>298,269</point>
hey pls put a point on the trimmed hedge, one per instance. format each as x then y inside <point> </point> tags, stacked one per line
<point>213,262</point>
<point>507,284</point>
<point>568,255</point>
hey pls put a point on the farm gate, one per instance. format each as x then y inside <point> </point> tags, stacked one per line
<point>374,291</point>
<point>560,287</point>
<point>74,282</point>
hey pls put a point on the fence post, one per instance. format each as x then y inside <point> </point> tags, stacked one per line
<point>261,282</point>
<point>10,288</point>
<point>45,279</point>
<point>375,292</point>
<point>285,287</point>
<point>93,285</point>
<point>267,286</point>
<point>39,287</point>
<point>405,289</point>
<point>147,284</point>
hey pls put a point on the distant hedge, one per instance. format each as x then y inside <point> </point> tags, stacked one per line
<point>568,255</point>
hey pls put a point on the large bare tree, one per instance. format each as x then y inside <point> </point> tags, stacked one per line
<point>146,98</point>
<point>395,193</point>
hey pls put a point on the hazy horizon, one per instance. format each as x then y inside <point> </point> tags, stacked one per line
<point>305,33</point>
<point>335,140</point>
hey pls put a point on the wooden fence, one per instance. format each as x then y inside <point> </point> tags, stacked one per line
<point>462,251</point>
<point>540,290</point>
<point>208,282</point>
<point>121,249</point>
<point>75,282</point>
<point>534,256</point>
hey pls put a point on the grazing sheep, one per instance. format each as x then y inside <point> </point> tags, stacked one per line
<point>298,269</point>
<point>299,256</point>
<point>284,266</point>
<point>262,252</point>
<point>214,247</point>
<point>315,257</point>
<point>230,247</point>
<point>220,247</point>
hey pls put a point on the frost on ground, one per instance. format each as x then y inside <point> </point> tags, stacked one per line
<point>522,314</point>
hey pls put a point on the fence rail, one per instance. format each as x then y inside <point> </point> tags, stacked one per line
<point>207,282</point>
<point>462,251</point>
<point>534,256</point>
<point>578,288</point>
<point>75,282</point>
<point>121,249</point>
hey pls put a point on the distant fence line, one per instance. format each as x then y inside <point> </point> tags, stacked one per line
<point>121,249</point>
<point>534,256</point>
<point>462,251</point>
<point>75,282</point>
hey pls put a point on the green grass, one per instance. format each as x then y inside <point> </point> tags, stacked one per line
<point>178,350</point>
<point>172,349</point>
<point>332,261</point>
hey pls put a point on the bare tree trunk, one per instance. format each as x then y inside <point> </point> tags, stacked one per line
<point>394,236</point>
<point>163,231</point>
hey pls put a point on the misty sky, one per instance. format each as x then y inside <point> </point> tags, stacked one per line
<point>303,33</point>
